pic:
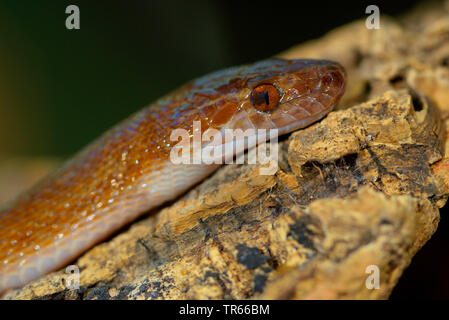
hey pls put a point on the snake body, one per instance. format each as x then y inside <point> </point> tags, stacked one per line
<point>127,171</point>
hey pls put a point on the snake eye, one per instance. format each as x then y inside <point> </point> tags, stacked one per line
<point>265,97</point>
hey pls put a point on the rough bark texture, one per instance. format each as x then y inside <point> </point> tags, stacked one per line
<point>360,188</point>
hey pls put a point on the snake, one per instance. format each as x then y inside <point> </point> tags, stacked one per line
<point>127,170</point>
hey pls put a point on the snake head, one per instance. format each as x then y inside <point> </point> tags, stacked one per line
<point>288,94</point>
<point>269,94</point>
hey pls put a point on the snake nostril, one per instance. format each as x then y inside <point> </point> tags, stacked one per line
<point>327,79</point>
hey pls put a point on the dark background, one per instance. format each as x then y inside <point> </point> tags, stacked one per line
<point>60,88</point>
